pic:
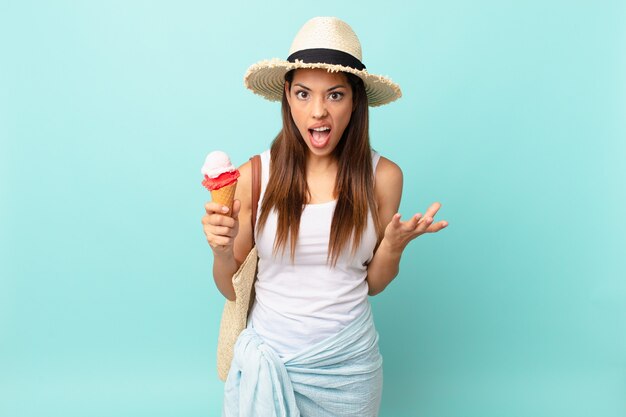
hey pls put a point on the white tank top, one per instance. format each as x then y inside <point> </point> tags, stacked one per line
<point>298,304</point>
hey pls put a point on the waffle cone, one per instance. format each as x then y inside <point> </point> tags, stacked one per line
<point>225,196</point>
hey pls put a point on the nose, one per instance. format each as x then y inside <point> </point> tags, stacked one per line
<point>319,108</point>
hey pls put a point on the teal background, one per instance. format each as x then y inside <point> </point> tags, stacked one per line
<point>513,117</point>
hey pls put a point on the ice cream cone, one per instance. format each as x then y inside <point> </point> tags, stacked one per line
<point>225,196</point>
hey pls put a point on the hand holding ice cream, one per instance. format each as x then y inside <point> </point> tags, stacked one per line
<point>220,226</point>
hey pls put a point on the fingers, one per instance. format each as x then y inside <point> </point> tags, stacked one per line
<point>423,224</point>
<point>221,230</point>
<point>395,220</point>
<point>417,223</point>
<point>215,219</point>
<point>414,221</point>
<point>219,241</point>
<point>219,236</point>
<point>212,208</point>
<point>427,225</point>
<point>432,210</point>
<point>414,226</point>
<point>435,227</point>
<point>398,233</point>
<point>408,226</point>
<point>219,227</point>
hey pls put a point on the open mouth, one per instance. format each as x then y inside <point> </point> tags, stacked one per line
<point>319,136</point>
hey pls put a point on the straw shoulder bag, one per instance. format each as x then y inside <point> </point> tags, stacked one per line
<point>235,314</point>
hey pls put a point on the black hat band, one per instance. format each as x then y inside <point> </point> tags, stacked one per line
<point>326,56</point>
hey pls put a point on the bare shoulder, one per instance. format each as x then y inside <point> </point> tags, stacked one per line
<point>388,188</point>
<point>388,172</point>
<point>244,184</point>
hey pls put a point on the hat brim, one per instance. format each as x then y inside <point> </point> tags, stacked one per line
<point>267,79</point>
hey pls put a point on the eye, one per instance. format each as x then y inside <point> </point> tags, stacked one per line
<point>335,96</point>
<point>302,95</point>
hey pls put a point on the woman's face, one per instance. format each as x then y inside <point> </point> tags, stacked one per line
<point>321,106</point>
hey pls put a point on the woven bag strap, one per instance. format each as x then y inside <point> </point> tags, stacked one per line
<point>256,188</point>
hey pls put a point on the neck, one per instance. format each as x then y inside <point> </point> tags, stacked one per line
<point>315,164</point>
<point>321,174</point>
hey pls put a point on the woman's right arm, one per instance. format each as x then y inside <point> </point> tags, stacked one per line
<point>230,238</point>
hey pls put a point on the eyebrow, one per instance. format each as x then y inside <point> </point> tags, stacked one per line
<point>330,89</point>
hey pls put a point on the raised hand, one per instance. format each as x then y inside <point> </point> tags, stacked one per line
<point>398,233</point>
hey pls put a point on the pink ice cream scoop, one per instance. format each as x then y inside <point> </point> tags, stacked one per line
<point>218,171</point>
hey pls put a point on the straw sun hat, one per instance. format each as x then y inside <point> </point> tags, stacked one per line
<point>323,42</point>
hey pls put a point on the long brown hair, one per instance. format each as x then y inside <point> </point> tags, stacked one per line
<point>287,190</point>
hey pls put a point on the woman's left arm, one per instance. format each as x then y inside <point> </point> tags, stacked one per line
<point>386,261</point>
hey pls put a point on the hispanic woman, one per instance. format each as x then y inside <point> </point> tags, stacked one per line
<point>328,235</point>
